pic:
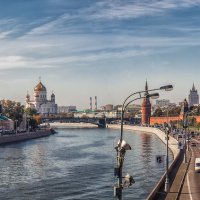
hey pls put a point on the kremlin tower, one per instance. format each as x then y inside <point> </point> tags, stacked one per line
<point>146,108</point>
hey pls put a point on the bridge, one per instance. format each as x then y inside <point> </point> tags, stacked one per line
<point>100,122</point>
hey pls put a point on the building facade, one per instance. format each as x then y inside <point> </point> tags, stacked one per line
<point>146,108</point>
<point>66,109</point>
<point>6,124</point>
<point>193,97</point>
<point>40,103</point>
<point>162,102</point>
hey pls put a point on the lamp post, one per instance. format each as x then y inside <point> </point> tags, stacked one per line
<point>166,88</point>
<point>16,126</point>
<point>122,146</point>
<point>185,126</point>
<point>167,162</point>
<point>167,154</point>
<point>28,120</point>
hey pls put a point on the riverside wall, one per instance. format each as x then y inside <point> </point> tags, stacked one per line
<point>4,139</point>
<point>162,120</point>
<point>172,144</point>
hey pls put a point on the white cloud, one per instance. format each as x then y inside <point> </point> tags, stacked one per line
<point>107,10</point>
<point>122,10</point>
<point>43,53</point>
<point>4,34</point>
<point>11,62</point>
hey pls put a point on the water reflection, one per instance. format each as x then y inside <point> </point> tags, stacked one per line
<point>147,157</point>
<point>77,164</point>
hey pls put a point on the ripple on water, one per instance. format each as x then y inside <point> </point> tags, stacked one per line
<point>77,164</point>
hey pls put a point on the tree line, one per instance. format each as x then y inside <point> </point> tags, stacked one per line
<point>16,111</point>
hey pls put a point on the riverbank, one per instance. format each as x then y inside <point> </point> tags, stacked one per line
<point>4,139</point>
<point>72,125</point>
<point>172,143</point>
<point>173,146</point>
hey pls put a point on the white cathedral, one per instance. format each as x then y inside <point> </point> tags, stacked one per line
<point>40,103</point>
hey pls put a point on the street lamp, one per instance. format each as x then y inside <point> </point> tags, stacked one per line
<point>166,189</point>
<point>166,88</point>
<point>16,126</point>
<point>28,120</point>
<point>185,126</point>
<point>167,161</point>
<point>120,147</point>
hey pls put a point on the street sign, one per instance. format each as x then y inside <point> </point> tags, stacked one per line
<point>159,161</point>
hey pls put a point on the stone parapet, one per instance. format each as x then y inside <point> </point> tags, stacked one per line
<point>173,144</point>
<point>24,136</point>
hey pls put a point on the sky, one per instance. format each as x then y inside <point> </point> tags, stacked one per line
<point>103,48</point>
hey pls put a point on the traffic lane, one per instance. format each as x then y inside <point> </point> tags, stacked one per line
<point>193,178</point>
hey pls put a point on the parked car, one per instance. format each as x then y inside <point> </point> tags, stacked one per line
<point>197,165</point>
<point>193,144</point>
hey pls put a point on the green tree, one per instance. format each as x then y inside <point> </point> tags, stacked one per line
<point>30,111</point>
<point>35,118</point>
<point>158,112</point>
<point>13,110</point>
<point>172,111</point>
<point>198,125</point>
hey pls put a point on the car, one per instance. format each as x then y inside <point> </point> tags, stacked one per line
<point>197,165</point>
<point>193,144</point>
<point>180,136</point>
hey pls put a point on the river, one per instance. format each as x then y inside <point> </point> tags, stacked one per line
<point>78,164</point>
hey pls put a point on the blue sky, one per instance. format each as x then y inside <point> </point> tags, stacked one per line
<point>103,48</point>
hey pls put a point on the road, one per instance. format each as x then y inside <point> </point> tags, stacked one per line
<point>191,188</point>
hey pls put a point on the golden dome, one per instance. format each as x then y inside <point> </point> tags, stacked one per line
<point>39,87</point>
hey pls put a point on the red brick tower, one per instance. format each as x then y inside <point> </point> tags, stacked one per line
<point>146,108</point>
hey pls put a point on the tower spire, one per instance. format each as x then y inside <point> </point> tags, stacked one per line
<point>146,87</point>
<point>193,88</point>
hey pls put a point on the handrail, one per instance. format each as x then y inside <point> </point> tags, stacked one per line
<point>183,179</point>
<point>161,182</point>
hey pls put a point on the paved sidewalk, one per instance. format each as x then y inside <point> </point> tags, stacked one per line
<point>176,184</point>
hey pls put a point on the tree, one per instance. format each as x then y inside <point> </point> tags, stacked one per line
<point>31,111</point>
<point>198,125</point>
<point>158,113</point>
<point>38,119</point>
<point>35,118</point>
<point>172,111</point>
<point>13,110</point>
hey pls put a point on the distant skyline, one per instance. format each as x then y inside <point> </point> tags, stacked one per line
<point>103,48</point>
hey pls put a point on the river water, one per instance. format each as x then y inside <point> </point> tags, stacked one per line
<point>78,164</point>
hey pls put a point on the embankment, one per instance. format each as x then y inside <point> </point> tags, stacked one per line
<point>172,144</point>
<point>4,139</point>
